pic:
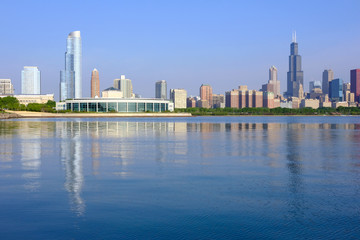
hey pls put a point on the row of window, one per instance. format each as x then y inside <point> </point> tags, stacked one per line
<point>116,107</point>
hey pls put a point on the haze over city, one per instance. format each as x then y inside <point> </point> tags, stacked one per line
<point>186,43</point>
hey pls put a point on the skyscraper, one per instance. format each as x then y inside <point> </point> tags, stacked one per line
<point>161,89</point>
<point>6,87</point>
<point>206,94</point>
<point>178,96</point>
<point>336,90</point>
<point>273,84</point>
<point>355,83</point>
<point>125,86</point>
<point>71,77</point>
<point>30,80</point>
<point>327,76</point>
<point>95,83</point>
<point>295,77</point>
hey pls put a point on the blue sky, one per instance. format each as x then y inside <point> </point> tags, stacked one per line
<point>186,43</point>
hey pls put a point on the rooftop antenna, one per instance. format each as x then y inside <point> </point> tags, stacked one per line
<point>295,36</point>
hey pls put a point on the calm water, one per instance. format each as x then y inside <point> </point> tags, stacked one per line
<point>183,178</point>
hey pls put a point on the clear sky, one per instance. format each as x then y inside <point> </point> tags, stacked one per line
<point>186,43</point>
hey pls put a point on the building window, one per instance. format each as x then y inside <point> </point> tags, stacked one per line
<point>83,107</point>
<point>141,107</point>
<point>122,107</point>
<point>156,107</point>
<point>92,107</point>
<point>112,107</point>
<point>150,107</point>
<point>131,107</point>
<point>75,107</point>
<point>101,107</point>
<point>163,109</point>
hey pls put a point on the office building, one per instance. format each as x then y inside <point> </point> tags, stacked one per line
<point>232,99</point>
<point>355,83</point>
<point>206,94</point>
<point>112,92</point>
<point>295,76</point>
<point>257,99</point>
<point>336,90</point>
<point>327,76</point>
<point>30,81</point>
<point>71,77</point>
<point>125,86</point>
<point>273,84</point>
<point>161,89</point>
<point>218,101</point>
<point>178,97</point>
<point>190,102</point>
<point>95,83</point>
<point>6,87</point>
<point>314,84</point>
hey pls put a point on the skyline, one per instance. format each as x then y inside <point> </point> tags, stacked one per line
<point>158,43</point>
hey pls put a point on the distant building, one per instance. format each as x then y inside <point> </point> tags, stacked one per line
<point>119,105</point>
<point>6,87</point>
<point>268,100</point>
<point>95,83</point>
<point>355,83</point>
<point>190,102</point>
<point>203,103</point>
<point>336,90</point>
<point>178,96</point>
<point>232,99</point>
<point>295,76</point>
<point>273,84</point>
<point>30,81</point>
<point>125,86</point>
<point>327,76</point>
<point>311,103</point>
<point>206,94</point>
<point>257,99</point>
<point>314,84</point>
<point>112,92</point>
<point>161,89</point>
<point>71,77</point>
<point>33,98</point>
<point>218,101</point>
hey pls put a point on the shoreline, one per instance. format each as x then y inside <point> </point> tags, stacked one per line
<point>28,114</point>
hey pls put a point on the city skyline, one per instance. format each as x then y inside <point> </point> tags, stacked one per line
<point>240,54</point>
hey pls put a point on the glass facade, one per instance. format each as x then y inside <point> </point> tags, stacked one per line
<point>92,105</point>
<point>70,78</point>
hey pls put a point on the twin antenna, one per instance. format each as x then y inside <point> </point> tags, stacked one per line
<point>294,37</point>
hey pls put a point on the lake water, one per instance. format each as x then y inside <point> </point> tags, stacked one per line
<point>180,178</point>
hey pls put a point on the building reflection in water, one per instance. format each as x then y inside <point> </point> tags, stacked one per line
<point>72,157</point>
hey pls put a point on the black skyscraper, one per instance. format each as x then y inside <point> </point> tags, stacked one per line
<point>295,77</point>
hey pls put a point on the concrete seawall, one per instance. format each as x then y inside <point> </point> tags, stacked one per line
<point>26,114</point>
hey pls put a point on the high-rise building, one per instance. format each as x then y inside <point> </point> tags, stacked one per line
<point>314,84</point>
<point>336,90</point>
<point>95,83</point>
<point>6,87</point>
<point>355,83</point>
<point>178,96</point>
<point>206,94</point>
<point>327,76</point>
<point>71,77</point>
<point>30,81</point>
<point>273,84</point>
<point>125,86</point>
<point>295,76</point>
<point>218,101</point>
<point>161,89</point>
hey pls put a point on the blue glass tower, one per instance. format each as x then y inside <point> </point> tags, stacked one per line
<point>295,76</point>
<point>71,77</point>
<point>336,90</point>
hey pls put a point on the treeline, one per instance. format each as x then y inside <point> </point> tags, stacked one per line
<point>12,103</point>
<point>268,111</point>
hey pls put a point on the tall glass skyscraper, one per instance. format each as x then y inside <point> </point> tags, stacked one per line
<point>295,77</point>
<point>30,81</point>
<point>71,77</point>
<point>161,89</point>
